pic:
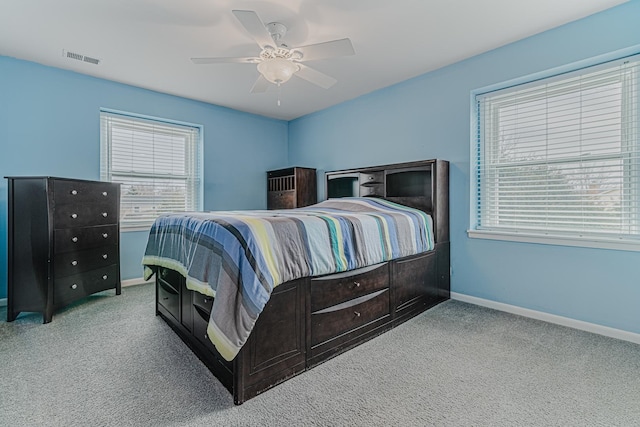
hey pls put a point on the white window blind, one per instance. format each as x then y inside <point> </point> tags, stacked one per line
<point>560,156</point>
<point>157,163</point>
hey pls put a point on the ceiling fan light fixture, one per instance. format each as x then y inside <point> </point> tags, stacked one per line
<point>277,70</point>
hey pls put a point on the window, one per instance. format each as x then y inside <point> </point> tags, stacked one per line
<point>157,162</point>
<point>558,158</point>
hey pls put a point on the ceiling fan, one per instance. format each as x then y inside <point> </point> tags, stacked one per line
<point>277,62</point>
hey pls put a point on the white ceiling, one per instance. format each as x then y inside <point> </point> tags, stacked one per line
<point>149,43</point>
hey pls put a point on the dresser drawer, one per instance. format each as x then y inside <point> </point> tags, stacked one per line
<point>74,192</point>
<point>334,321</point>
<point>336,288</point>
<point>71,288</point>
<point>69,263</point>
<point>75,239</point>
<point>85,214</point>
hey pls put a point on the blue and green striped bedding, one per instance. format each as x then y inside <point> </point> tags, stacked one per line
<point>240,256</point>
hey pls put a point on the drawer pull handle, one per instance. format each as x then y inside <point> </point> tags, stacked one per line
<point>74,215</point>
<point>74,192</point>
<point>104,193</point>
<point>74,239</point>
<point>74,262</point>
<point>206,300</point>
<point>104,277</point>
<point>357,313</point>
<point>104,214</point>
<point>105,256</point>
<point>105,235</point>
<point>74,286</point>
<point>356,284</point>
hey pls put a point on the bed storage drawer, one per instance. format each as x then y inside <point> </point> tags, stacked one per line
<point>334,321</point>
<point>202,305</point>
<point>169,296</point>
<point>336,329</point>
<point>415,285</point>
<point>200,323</point>
<point>202,302</point>
<point>334,289</point>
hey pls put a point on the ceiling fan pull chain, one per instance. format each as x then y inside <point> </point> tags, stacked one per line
<point>279,91</point>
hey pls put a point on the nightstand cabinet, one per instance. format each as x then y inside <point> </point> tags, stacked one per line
<point>64,240</point>
<point>290,188</point>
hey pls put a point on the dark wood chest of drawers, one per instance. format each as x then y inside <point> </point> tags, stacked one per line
<point>63,242</point>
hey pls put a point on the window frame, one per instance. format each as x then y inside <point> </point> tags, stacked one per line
<point>627,242</point>
<point>195,171</point>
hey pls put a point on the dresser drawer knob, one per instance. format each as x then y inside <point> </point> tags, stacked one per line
<point>356,284</point>
<point>105,256</point>
<point>357,313</point>
<point>206,300</point>
<point>104,214</point>
<point>104,277</point>
<point>105,235</point>
<point>74,215</point>
<point>74,239</point>
<point>74,286</point>
<point>74,262</point>
<point>104,193</point>
<point>74,192</point>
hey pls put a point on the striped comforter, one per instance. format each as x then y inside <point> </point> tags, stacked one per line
<point>240,256</point>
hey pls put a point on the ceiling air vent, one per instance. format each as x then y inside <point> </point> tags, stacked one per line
<point>80,57</point>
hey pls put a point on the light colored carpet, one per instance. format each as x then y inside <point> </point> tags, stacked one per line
<point>109,361</point>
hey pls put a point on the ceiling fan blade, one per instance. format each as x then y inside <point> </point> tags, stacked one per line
<point>342,47</point>
<point>316,77</point>
<point>221,60</point>
<point>254,25</point>
<point>260,85</point>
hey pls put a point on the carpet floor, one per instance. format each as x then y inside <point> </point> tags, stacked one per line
<point>109,361</point>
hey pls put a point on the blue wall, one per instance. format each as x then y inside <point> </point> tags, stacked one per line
<point>50,125</point>
<point>429,117</point>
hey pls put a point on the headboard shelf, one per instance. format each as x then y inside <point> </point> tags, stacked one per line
<point>422,185</point>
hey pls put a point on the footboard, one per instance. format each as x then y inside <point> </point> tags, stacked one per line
<point>309,320</point>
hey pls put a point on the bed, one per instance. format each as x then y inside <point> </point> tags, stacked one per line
<point>261,296</point>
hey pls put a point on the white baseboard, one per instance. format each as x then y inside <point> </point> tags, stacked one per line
<point>128,282</point>
<point>551,318</point>
<point>136,281</point>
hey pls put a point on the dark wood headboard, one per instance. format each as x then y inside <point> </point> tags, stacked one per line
<point>422,185</point>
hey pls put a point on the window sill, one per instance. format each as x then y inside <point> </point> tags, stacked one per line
<point>583,242</point>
